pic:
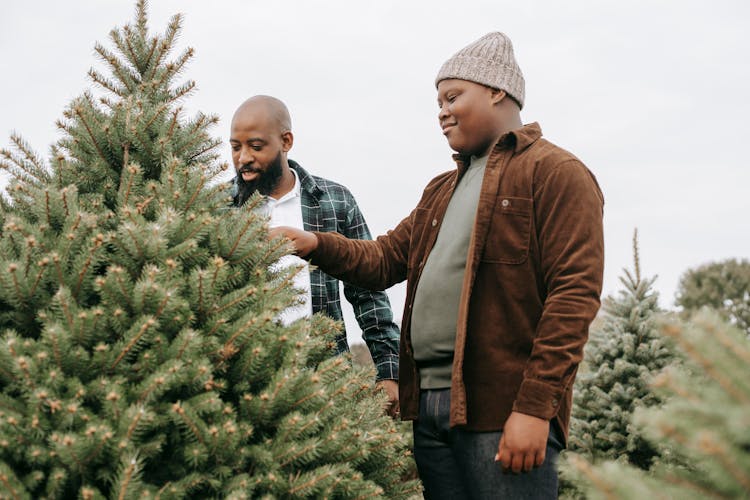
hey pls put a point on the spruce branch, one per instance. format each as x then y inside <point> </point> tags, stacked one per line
<point>179,409</point>
<point>130,471</point>
<point>9,485</point>
<point>197,190</point>
<point>107,84</point>
<point>96,244</point>
<point>591,475</point>
<point>78,110</point>
<point>35,164</point>
<point>128,80</point>
<point>141,16</point>
<point>42,264</point>
<point>27,168</point>
<point>636,259</point>
<point>126,47</point>
<point>712,447</point>
<point>157,115</point>
<point>170,35</point>
<point>706,364</point>
<point>64,198</point>
<point>148,324</point>
<point>181,91</point>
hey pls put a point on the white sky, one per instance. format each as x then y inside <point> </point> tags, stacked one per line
<point>651,95</point>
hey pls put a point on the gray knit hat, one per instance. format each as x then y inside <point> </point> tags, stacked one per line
<point>488,61</point>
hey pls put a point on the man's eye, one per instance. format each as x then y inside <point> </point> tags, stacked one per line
<point>235,148</point>
<point>256,148</point>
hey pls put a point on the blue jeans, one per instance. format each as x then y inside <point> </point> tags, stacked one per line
<point>456,464</point>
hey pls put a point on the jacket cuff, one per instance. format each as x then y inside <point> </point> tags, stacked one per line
<point>538,399</point>
<point>387,368</point>
<point>323,247</point>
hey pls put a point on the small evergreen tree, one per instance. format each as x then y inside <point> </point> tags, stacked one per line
<point>723,286</point>
<point>622,356</point>
<point>140,352</point>
<point>706,420</point>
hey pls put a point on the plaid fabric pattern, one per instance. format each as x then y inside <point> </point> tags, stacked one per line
<point>328,206</point>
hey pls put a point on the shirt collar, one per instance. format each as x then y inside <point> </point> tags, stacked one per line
<point>293,193</point>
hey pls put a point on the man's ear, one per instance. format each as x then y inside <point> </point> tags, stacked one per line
<point>287,141</point>
<point>497,95</point>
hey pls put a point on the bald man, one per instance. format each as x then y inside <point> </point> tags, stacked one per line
<point>261,137</point>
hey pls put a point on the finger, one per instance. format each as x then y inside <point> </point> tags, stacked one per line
<point>516,462</point>
<point>528,461</point>
<point>390,408</point>
<point>540,456</point>
<point>500,450</point>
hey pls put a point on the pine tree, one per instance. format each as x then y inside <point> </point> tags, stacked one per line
<point>706,420</point>
<point>723,286</point>
<point>140,352</point>
<point>622,356</point>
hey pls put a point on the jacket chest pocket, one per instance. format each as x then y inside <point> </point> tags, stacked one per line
<point>509,235</point>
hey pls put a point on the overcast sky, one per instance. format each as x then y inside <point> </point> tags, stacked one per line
<point>651,95</point>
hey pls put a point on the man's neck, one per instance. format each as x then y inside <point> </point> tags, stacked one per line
<point>286,183</point>
<point>512,121</point>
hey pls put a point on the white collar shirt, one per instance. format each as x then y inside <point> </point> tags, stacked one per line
<point>287,211</point>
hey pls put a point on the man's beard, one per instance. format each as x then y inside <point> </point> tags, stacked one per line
<point>264,184</point>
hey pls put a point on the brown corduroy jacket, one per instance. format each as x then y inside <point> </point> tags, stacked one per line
<point>531,288</point>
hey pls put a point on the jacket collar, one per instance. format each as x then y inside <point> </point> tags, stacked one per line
<point>517,140</point>
<point>307,182</point>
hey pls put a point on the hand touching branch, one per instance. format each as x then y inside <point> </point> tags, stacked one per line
<point>304,242</point>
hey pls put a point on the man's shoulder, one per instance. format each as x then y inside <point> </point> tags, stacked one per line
<point>544,158</point>
<point>329,186</point>
<point>551,161</point>
<point>549,154</point>
<point>322,187</point>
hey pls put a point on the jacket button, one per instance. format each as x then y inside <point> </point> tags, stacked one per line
<point>555,402</point>
<point>434,222</point>
<point>505,203</point>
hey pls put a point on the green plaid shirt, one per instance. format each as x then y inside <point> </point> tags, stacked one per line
<point>328,206</point>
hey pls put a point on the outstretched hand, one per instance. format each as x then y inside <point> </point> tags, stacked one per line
<point>523,444</point>
<point>390,387</point>
<point>304,242</point>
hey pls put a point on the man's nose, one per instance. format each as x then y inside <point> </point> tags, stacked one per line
<point>443,113</point>
<point>246,156</point>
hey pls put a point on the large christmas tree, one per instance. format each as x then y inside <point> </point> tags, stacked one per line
<point>140,352</point>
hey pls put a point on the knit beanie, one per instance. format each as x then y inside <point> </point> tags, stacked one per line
<point>489,61</point>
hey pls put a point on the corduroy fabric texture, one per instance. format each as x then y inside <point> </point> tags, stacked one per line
<point>488,61</point>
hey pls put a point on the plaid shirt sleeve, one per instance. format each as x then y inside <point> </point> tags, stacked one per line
<point>329,206</point>
<point>372,309</point>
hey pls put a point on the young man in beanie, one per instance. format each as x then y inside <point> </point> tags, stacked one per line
<point>503,258</point>
<point>261,137</point>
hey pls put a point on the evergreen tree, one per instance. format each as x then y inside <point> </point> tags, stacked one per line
<point>622,356</point>
<point>140,352</point>
<point>723,286</point>
<point>706,420</point>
